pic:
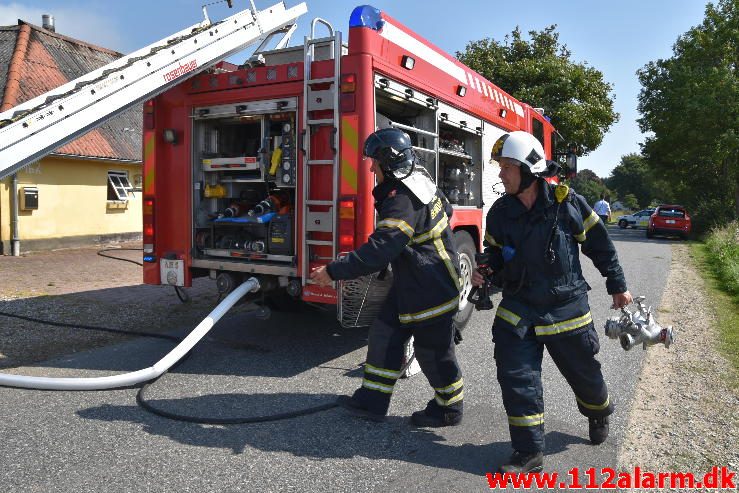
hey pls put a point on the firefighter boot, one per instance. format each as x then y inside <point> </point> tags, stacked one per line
<point>598,428</point>
<point>436,416</point>
<point>355,407</point>
<point>524,462</point>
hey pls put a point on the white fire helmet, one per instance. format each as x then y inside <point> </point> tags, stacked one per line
<point>522,147</point>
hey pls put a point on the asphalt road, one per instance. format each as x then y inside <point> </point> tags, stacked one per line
<point>102,441</point>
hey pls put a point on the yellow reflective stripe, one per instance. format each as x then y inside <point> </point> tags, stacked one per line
<point>369,384</point>
<point>431,312</point>
<point>450,388</point>
<point>594,407</point>
<point>450,401</point>
<point>565,326</point>
<point>396,223</point>
<point>433,232</point>
<point>532,420</point>
<point>580,237</point>
<point>491,241</point>
<point>591,221</point>
<point>381,371</point>
<point>441,250</point>
<point>507,315</point>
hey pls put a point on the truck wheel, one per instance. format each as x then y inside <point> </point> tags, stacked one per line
<point>466,249</point>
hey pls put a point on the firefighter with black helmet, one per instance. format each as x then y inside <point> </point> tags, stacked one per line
<point>414,237</point>
<point>532,236</point>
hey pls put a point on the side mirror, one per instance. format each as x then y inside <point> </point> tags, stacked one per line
<point>571,161</point>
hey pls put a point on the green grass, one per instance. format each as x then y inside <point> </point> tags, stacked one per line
<point>718,262</point>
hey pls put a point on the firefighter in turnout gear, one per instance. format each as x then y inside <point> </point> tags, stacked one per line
<point>532,235</point>
<point>414,237</point>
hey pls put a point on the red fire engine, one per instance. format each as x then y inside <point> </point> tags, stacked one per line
<point>257,170</point>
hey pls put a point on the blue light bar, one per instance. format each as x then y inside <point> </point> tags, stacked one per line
<point>150,258</point>
<point>366,16</point>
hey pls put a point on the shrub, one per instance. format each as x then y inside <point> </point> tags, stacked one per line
<point>723,254</point>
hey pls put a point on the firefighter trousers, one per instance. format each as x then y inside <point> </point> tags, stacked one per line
<point>518,361</point>
<point>433,343</point>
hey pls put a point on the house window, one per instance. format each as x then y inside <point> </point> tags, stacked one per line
<point>119,188</point>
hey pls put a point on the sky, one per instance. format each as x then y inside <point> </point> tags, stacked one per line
<point>615,37</point>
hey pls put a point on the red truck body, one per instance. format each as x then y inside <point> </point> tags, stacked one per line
<point>237,136</point>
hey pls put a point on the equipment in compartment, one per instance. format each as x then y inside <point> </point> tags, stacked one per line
<point>456,184</point>
<point>450,143</point>
<point>286,172</point>
<point>245,169</point>
<point>456,166</point>
<point>247,163</point>
<point>276,202</point>
<point>280,235</point>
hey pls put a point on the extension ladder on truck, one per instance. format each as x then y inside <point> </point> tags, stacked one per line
<point>319,212</point>
<point>35,128</point>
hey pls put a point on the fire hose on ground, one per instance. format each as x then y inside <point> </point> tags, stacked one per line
<point>148,376</point>
<point>140,376</point>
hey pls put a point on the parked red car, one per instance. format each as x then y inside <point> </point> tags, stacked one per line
<point>669,220</point>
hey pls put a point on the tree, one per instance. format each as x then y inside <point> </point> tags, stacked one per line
<point>690,103</point>
<point>630,202</point>
<point>541,73</point>
<point>633,176</point>
<point>589,185</point>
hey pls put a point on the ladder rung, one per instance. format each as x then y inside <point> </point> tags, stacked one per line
<point>323,121</point>
<point>319,202</point>
<point>320,162</point>
<point>322,80</point>
<point>423,149</point>
<point>319,242</point>
<point>316,41</point>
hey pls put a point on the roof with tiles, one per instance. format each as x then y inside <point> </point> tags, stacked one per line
<point>45,60</point>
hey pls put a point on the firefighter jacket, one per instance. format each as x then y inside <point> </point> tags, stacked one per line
<point>535,254</point>
<point>417,241</point>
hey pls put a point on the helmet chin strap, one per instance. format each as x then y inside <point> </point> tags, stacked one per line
<point>527,178</point>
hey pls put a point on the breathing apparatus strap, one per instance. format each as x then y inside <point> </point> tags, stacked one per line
<point>561,193</point>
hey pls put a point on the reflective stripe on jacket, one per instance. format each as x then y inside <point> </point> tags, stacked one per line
<point>417,240</point>
<point>518,240</point>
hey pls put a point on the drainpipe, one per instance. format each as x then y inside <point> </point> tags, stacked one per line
<point>10,99</point>
<point>15,242</point>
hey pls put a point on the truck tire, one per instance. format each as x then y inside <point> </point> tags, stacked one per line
<point>466,250</point>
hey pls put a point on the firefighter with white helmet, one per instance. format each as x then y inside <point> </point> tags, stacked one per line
<point>413,236</point>
<point>532,237</point>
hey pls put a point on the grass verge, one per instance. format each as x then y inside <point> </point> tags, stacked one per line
<point>718,263</point>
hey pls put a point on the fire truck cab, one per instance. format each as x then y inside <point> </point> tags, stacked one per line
<point>257,169</point>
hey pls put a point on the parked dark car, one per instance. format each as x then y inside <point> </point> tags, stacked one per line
<point>669,220</point>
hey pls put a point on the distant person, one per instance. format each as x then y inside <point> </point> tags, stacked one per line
<point>603,209</point>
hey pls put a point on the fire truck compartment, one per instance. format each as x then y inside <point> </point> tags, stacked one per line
<point>244,176</point>
<point>447,141</point>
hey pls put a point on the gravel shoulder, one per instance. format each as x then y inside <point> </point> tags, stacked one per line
<point>684,416</point>
<point>77,286</point>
